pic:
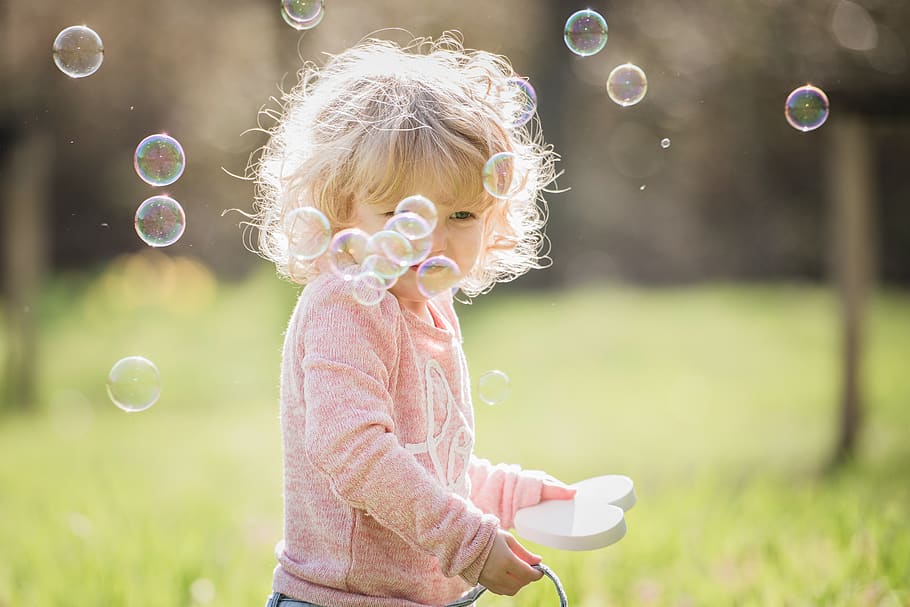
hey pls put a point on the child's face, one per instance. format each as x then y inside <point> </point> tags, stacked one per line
<point>458,235</point>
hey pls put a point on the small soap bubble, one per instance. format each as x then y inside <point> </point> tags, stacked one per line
<point>346,251</point>
<point>160,221</point>
<point>422,247</point>
<point>410,225</point>
<point>423,206</point>
<point>134,383</point>
<point>368,288</point>
<point>493,387</point>
<point>437,275</point>
<point>526,97</point>
<point>159,160</point>
<point>665,143</point>
<point>393,253</point>
<point>806,108</point>
<point>586,33</point>
<point>78,51</point>
<point>308,233</point>
<point>502,175</point>
<point>627,84</point>
<point>381,268</point>
<point>303,14</point>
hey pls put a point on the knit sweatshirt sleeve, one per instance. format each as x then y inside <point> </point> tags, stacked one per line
<point>504,488</point>
<point>350,434</point>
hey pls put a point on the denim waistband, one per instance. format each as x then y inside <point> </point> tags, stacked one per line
<point>276,599</point>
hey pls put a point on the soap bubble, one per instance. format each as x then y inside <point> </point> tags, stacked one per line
<point>627,84</point>
<point>422,247</point>
<point>503,176</point>
<point>308,233</point>
<point>382,268</point>
<point>493,387</point>
<point>393,253</point>
<point>78,51</point>
<point>665,143</point>
<point>410,225</point>
<point>159,160</point>
<point>134,383</point>
<point>806,108</point>
<point>303,14</point>
<point>527,102</point>
<point>436,275</point>
<point>160,221</point>
<point>346,251</point>
<point>422,206</point>
<point>586,33</point>
<point>368,288</point>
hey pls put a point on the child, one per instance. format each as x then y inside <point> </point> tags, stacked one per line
<point>384,502</point>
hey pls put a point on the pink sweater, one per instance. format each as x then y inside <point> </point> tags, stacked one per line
<point>384,502</point>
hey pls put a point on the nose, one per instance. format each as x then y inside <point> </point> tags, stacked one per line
<point>440,238</point>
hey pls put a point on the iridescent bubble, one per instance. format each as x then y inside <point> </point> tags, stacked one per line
<point>410,225</point>
<point>308,233</point>
<point>806,108</point>
<point>424,207</point>
<point>160,221</point>
<point>303,14</point>
<point>159,160</point>
<point>502,175</point>
<point>380,266</point>
<point>436,275</point>
<point>493,387</point>
<point>527,102</point>
<point>586,33</point>
<point>303,10</point>
<point>346,251</point>
<point>422,247</point>
<point>393,253</point>
<point>368,288</point>
<point>627,84</point>
<point>78,51</point>
<point>665,143</point>
<point>134,383</point>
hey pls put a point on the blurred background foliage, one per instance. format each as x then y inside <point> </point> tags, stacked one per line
<point>738,195</point>
<point>719,398</point>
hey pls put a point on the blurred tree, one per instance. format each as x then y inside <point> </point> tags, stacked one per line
<point>26,157</point>
<point>853,196</point>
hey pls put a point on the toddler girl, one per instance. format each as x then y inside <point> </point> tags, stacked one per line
<point>385,503</point>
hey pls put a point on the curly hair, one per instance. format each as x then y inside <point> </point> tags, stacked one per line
<point>379,122</point>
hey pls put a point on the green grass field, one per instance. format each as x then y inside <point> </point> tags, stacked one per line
<point>720,401</point>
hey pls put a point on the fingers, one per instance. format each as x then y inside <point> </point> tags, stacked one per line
<point>556,492</point>
<point>508,568</point>
<point>526,557</point>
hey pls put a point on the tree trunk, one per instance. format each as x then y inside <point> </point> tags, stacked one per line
<point>24,262</point>
<point>852,194</point>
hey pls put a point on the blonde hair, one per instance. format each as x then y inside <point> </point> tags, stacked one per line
<point>379,122</point>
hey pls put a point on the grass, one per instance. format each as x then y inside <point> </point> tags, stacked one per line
<point>720,401</point>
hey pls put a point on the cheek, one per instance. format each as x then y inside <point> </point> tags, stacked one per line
<point>474,243</point>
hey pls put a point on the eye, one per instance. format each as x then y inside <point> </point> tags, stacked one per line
<point>462,215</point>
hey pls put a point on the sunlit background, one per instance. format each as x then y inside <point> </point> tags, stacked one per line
<point>726,316</point>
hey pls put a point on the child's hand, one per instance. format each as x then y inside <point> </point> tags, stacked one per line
<point>508,567</point>
<point>555,490</point>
